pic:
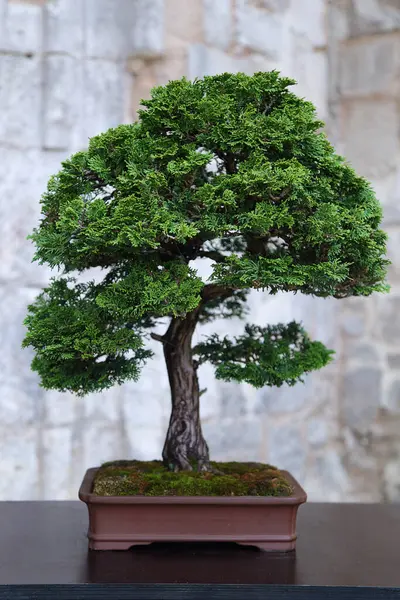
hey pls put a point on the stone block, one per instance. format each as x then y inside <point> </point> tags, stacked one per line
<point>23,177</point>
<point>354,305</point>
<point>317,432</point>
<point>211,61</point>
<point>147,402</point>
<point>370,66</point>
<point>384,438</point>
<point>392,480</point>
<point>144,403</point>
<point>256,62</point>
<point>310,69</point>
<point>374,16</point>
<point>19,468</point>
<point>105,94</point>
<point>232,400</point>
<point>145,76</point>
<point>209,404</point>
<point>61,408</point>
<point>387,190</point>
<point>22,29</point>
<point>57,454</point>
<point>104,406</point>
<point>394,361</point>
<point>173,65</point>
<point>3,8</point>
<point>59,91</point>
<point>270,5</point>
<point>332,475</point>
<point>287,449</point>
<point>183,22</point>
<point>147,34</point>
<point>271,309</point>
<point>337,20</point>
<point>370,135</point>
<point>259,30</point>
<point>323,394</point>
<point>311,483</point>
<point>108,28</point>
<point>76,110</point>
<point>393,251</point>
<point>234,439</point>
<point>362,353</point>
<point>63,26</point>
<point>388,322</point>
<point>218,23</point>
<point>208,61</point>
<point>362,391</point>
<point>365,484</point>
<point>360,496</point>
<point>392,400</point>
<point>357,451</point>
<point>34,2</point>
<point>22,399</point>
<point>323,313</point>
<point>15,362</point>
<point>102,442</point>
<point>353,324</point>
<point>145,443</point>
<point>20,100</point>
<point>308,18</point>
<point>286,399</point>
<point>17,403</point>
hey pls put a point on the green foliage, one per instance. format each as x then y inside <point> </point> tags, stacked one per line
<point>137,478</point>
<point>263,356</point>
<point>232,168</point>
<point>78,346</point>
<point>227,308</point>
<point>171,289</point>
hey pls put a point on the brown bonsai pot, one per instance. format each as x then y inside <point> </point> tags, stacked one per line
<point>119,522</point>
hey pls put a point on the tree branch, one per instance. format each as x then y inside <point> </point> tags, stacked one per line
<point>230,163</point>
<point>214,290</point>
<point>228,159</point>
<point>158,338</point>
<point>92,176</point>
<point>284,194</point>
<point>256,245</point>
<point>212,254</point>
<point>161,338</point>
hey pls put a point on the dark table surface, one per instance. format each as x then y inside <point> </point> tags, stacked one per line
<point>338,545</point>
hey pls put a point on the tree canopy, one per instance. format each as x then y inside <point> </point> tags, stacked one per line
<point>232,168</point>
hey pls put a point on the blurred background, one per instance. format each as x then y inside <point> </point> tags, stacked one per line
<point>70,69</point>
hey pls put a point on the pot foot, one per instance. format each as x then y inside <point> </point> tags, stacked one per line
<point>271,546</point>
<point>99,545</point>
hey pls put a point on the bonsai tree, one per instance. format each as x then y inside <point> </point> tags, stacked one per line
<point>230,168</point>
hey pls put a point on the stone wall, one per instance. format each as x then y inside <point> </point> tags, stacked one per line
<point>364,46</point>
<point>72,68</point>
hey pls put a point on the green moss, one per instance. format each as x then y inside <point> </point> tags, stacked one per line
<point>137,478</point>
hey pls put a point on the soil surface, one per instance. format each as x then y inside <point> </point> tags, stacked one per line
<point>137,478</point>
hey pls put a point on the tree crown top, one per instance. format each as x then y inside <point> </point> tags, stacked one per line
<point>232,168</point>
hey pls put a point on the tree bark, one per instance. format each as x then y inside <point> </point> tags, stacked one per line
<point>184,444</point>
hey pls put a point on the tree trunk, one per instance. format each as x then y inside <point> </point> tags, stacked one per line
<point>184,444</point>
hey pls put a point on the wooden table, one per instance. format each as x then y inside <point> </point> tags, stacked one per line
<point>344,551</point>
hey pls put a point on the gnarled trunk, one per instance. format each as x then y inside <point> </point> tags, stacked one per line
<point>184,442</point>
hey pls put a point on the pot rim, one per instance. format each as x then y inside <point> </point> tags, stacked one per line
<point>299,496</point>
